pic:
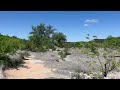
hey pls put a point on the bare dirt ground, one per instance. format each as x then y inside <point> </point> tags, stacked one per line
<point>33,69</point>
<point>46,66</point>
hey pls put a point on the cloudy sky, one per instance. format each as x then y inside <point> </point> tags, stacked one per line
<point>74,24</point>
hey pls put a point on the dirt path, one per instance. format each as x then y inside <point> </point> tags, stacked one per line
<point>33,69</point>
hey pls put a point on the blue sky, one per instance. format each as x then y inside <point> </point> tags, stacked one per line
<point>74,24</point>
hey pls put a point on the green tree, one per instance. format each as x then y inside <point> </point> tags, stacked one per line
<point>109,47</point>
<point>40,37</point>
<point>59,39</point>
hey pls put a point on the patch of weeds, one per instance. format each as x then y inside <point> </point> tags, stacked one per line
<point>8,63</point>
<point>24,54</point>
<point>92,55</point>
<point>14,64</point>
<point>94,61</point>
<point>64,53</point>
<point>84,50</point>
<point>78,74</point>
<point>41,49</point>
<point>53,48</point>
<point>118,70</point>
<point>97,76</point>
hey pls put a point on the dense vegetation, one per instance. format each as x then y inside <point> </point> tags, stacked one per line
<point>9,46</point>
<point>44,37</point>
<point>110,48</point>
<point>41,38</point>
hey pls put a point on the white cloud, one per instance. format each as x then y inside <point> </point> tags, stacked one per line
<point>91,20</point>
<point>86,25</point>
<point>88,22</point>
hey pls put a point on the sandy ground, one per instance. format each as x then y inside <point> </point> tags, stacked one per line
<point>33,69</point>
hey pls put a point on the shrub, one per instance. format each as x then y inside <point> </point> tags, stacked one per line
<point>9,63</point>
<point>14,64</point>
<point>4,59</point>
<point>64,53</point>
<point>78,74</point>
<point>24,54</point>
<point>9,46</point>
<point>108,46</point>
<point>53,48</point>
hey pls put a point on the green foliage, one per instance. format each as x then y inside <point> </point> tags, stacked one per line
<point>76,75</point>
<point>53,48</point>
<point>81,45</point>
<point>64,53</point>
<point>118,70</point>
<point>72,44</point>
<point>14,64</point>
<point>98,76</point>
<point>59,39</point>
<point>40,37</point>
<point>87,36</point>
<point>95,37</point>
<point>4,59</point>
<point>8,63</point>
<point>92,55</point>
<point>9,46</point>
<point>110,44</point>
<point>24,54</point>
<point>43,38</point>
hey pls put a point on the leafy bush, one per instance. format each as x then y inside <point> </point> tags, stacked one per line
<point>42,38</point>
<point>8,63</point>
<point>53,48</point>
<point>64,53</point>
<point>24,54</point>
<point>9,46</point>
<point>59,39</point>
<point>4,59</point>
<point>14,64</point>
<point>108,53</point>
<point>41,49</point>
<point>79,74</point>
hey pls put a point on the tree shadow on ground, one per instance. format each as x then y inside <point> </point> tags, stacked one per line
<point>16,65</point>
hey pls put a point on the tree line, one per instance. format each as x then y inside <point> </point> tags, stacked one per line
<point>45,37</point>
<point>41,38</point>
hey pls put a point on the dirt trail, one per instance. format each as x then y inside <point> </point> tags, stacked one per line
<point>33,69</point>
